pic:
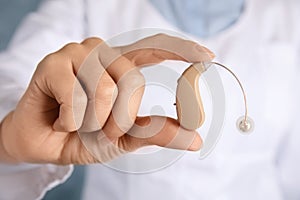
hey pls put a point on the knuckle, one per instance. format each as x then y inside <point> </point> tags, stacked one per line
<point>59,57</point>
<point>50,59</point>
<point>107,87</point>
<point>109,84</point>
<point>72,46</point>
<point>50,63</point>
<point>79,100</point>
<point>91,43</point>
<point>160,35</point>
<point>136,79</point>
<point>78,95</point>
<point>78,108</point>
<point>71,49</point>
<point>92,40</point>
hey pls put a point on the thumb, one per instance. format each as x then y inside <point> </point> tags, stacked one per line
<point>161,131</point>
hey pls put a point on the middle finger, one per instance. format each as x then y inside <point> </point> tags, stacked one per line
<point>130,83</point>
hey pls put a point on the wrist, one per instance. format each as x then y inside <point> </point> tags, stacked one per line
<point>4,155</point>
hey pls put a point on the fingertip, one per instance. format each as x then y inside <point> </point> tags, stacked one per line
<point>209,55</point>
<point>196,144</point>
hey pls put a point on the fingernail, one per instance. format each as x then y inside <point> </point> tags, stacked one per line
<point>208,52</point>
<point>197,143</point>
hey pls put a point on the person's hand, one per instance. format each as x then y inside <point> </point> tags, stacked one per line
<point>82,102</point>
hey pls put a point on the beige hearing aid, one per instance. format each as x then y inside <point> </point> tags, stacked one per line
<point>189,105</point>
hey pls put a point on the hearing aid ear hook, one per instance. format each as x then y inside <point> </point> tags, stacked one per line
<point>189,106</point>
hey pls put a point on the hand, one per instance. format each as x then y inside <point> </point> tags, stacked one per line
<point>82,102</point>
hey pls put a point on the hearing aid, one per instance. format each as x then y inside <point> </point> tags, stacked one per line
<point>189,107</point>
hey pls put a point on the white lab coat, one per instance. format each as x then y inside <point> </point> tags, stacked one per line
<point>262,48</point>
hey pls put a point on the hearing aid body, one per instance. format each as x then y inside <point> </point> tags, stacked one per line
<point>189,107</point>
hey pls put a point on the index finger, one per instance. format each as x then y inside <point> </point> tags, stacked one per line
<point>120,63</point>
<point>160,47</point>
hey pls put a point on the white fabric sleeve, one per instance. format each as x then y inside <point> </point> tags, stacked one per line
<point>29,182</point>
<point>288,158</point>
<point>54,24</point>
<point>289,164</point>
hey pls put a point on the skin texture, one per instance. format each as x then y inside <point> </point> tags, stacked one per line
<point>82,102</point>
